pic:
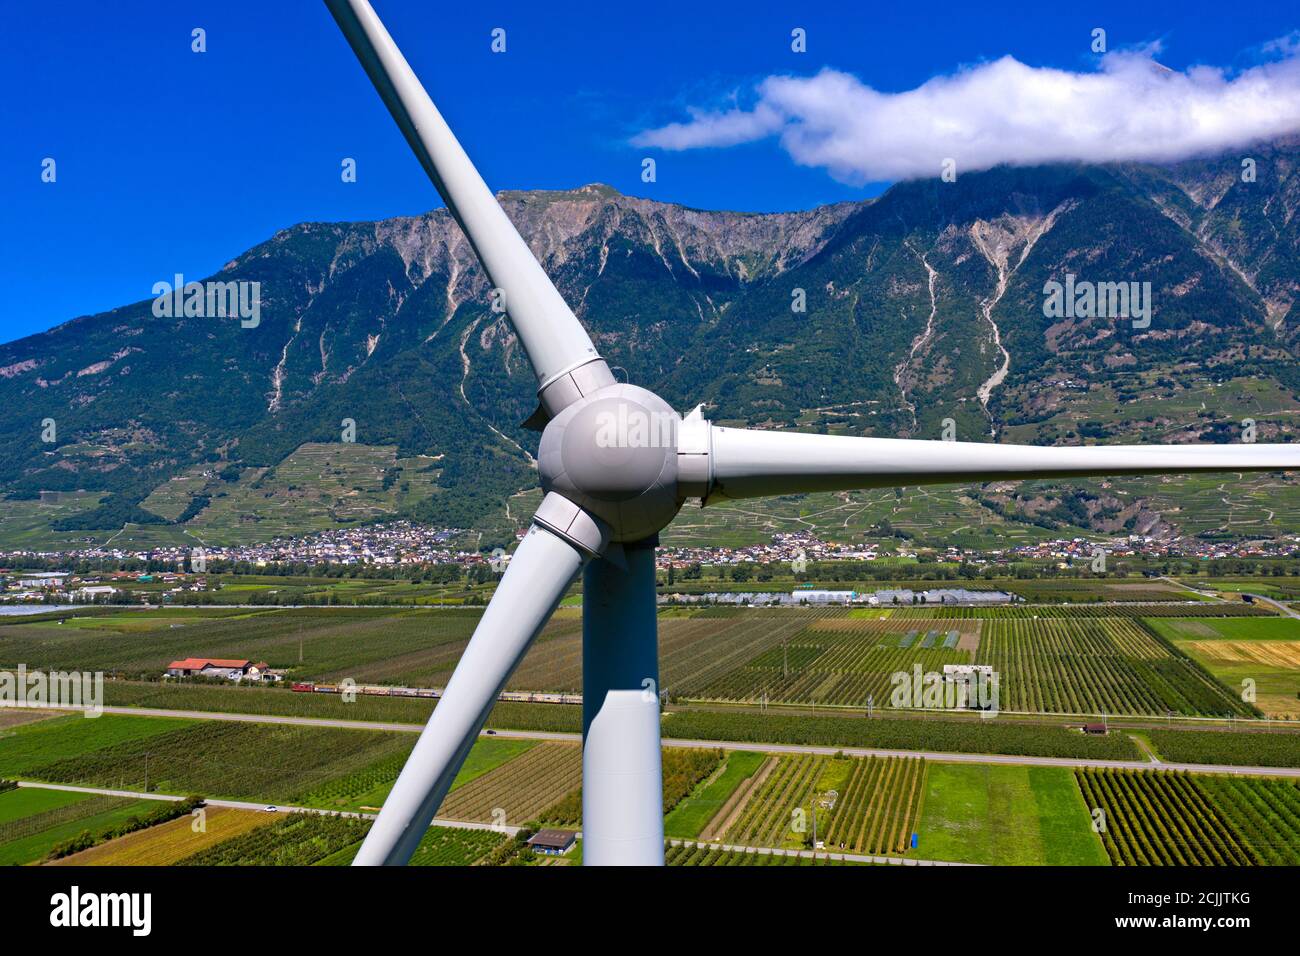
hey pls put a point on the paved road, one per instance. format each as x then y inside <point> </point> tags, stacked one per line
<point>822,854</point>
<point>248,805</point>
<point>1288,611</point>
<point>727,744</point>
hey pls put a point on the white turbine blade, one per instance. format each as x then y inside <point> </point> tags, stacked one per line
<point>536,578</point>
<point>751,464</point>
<point>551,334</point>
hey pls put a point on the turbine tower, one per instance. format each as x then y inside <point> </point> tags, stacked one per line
<point>616,464</point>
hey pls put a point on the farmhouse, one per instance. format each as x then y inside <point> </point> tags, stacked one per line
<point>553,842</point>
<point>219,667</point>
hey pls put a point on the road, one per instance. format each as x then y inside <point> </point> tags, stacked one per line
<point>1288,611</point>
<point>729,744</point>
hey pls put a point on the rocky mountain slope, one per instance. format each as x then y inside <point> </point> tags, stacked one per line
<point>922,306</point>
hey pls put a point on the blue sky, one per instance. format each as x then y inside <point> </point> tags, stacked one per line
<point>172,161</point>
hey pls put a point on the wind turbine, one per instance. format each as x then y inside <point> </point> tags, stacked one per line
<point>616,464</point>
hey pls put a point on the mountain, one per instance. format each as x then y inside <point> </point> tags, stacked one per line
<point>924,309</point>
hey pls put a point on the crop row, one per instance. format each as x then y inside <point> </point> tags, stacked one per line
<point>255,761</point>
<point>1161,818</point>
<point>877,811</point>
<point>972,735</point>
<point>781,805</point>
<point>295,839</point>
<point>1124,610</point>
<point>1097,666</point>
<point>520,789</point>
<point>696,854</point>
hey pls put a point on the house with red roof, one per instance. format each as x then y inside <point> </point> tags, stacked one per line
<point>218,667</point>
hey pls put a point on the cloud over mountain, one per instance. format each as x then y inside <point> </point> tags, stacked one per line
<point>1130,108</point>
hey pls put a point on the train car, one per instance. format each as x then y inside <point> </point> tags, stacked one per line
<point>303,687</point>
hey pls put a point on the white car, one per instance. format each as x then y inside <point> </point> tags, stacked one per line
<point>271,808</point>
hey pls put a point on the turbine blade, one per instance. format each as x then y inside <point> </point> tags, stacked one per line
<point>536,578</point>
<point>751,464</point>
<point>551,334</point>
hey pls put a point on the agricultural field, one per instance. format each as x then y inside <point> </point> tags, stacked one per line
<point>690,817</point>
<point>26,749</point>
<point>14,718</point>
<point>1006,815</point>
<point>169,842</point>
<point>33,821</point>
<point>1107,665</point>
<point>274,762</point>
<point>1073,611</point>
<point>366,789</point>
<point>942,735</point>
<point>518,790</point>
<point>776,810</point>
<point>875,807</point>
<point>1053,658</point>
<point>836,660</point>
<point>696,854</point>
<point>506,715</point>
<point>1168,818</point>
<point>1262,651</point>
<point>294,839</point>
<point>1242,748</point>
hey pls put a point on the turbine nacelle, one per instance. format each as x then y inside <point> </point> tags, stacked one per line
<point>615,453</point>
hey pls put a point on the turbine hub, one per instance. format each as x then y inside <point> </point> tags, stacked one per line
<point>614,453</point>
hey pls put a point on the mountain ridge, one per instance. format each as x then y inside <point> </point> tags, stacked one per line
<point>923,306</point>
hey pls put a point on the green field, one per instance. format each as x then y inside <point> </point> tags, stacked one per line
<point>33,822</point>
<point>368,787</point>
<point>1050,659</point>
<point>1244,748</point>
<point>25,750</point>
<point>1004,815</point>
<point>692,814</point>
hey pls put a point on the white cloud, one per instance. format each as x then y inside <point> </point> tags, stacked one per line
<point>1131,108</point>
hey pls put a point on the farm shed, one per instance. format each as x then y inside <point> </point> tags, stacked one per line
<point>553,842</point>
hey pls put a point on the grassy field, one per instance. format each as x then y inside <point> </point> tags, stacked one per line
<point>35,821</point>
<point>1022,816</point>
<point>689,818</point>
<point>28,749</point>
<point>1262,651</point>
